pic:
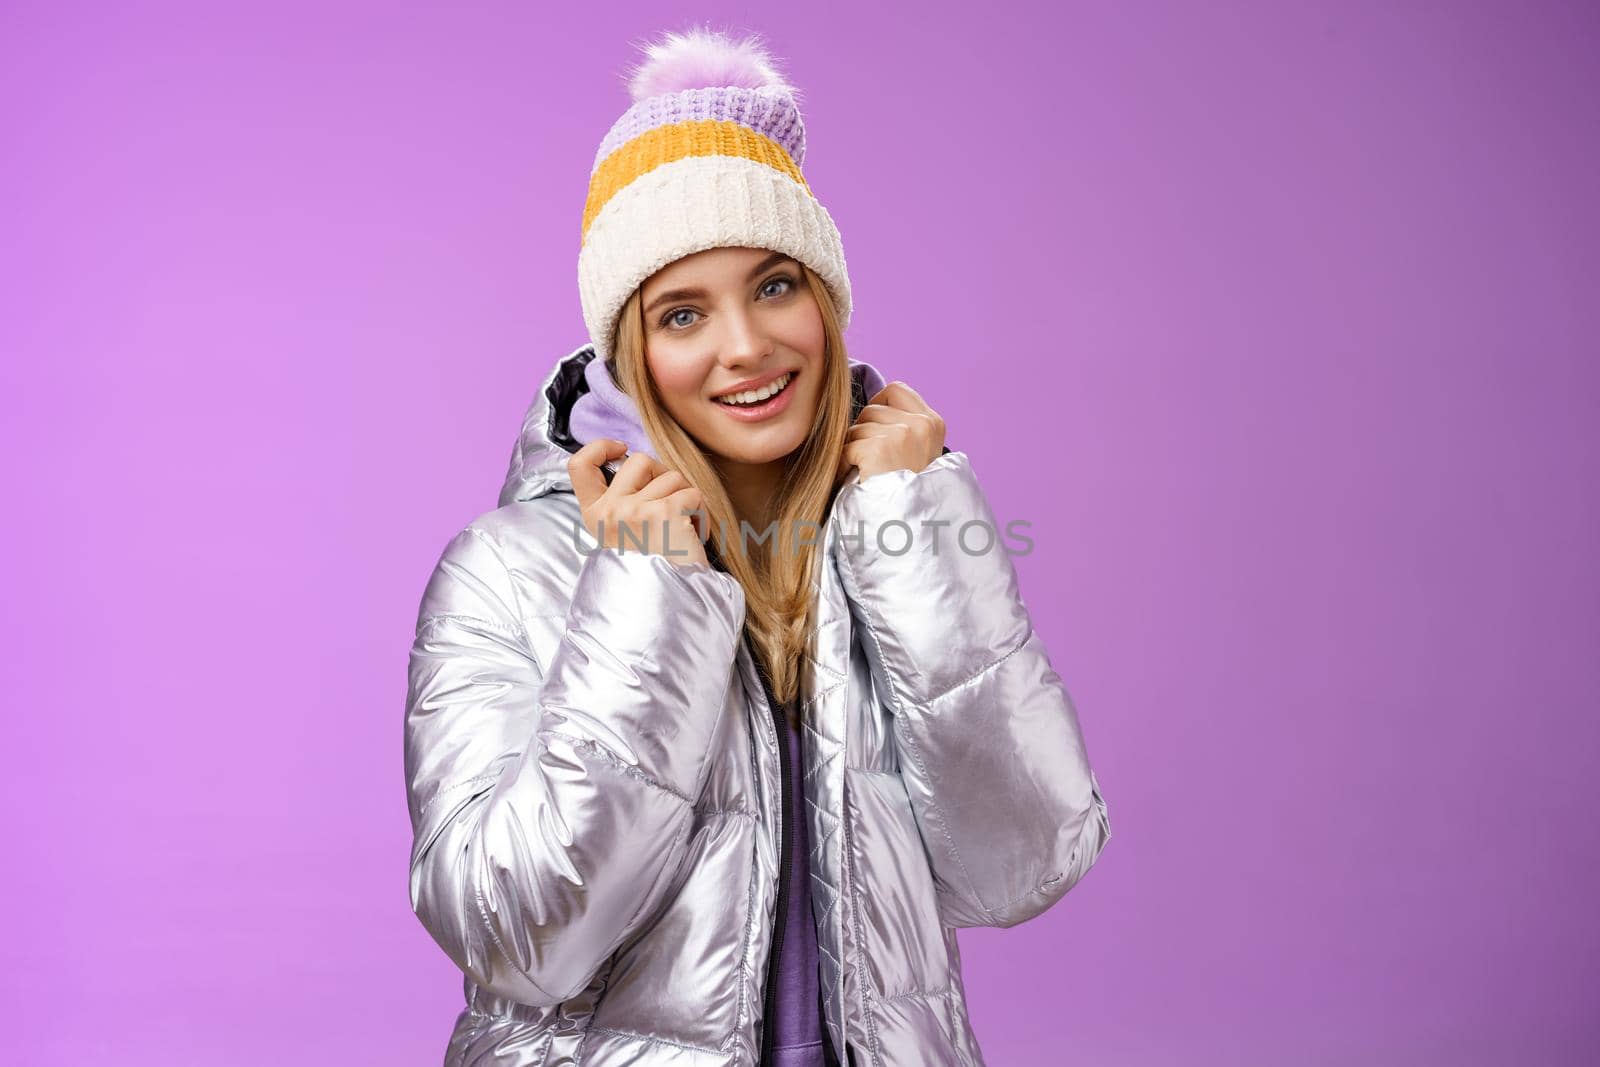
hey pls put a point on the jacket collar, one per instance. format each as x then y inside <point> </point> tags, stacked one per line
<point>546,442</point>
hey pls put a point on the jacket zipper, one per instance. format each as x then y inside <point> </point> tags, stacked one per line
<point>770,990</point>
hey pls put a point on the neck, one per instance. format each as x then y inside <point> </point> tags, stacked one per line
<point>752,488</point>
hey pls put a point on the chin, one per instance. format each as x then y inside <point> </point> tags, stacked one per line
<point>756,447</point>
<point>755,456</point>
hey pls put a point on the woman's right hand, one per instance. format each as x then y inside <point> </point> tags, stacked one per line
<point>650,499</point>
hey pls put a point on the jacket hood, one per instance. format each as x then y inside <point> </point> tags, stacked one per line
<point>547,439</point>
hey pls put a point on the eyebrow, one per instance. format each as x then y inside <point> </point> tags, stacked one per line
<point>691,294</point>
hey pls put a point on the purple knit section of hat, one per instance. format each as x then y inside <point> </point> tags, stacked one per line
<point>768,112</point>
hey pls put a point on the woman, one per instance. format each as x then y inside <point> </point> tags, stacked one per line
<point>711,748</point>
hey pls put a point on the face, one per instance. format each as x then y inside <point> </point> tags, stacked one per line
<point>730,322</point>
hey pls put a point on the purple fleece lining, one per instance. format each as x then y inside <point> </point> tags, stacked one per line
<point>606,411</point>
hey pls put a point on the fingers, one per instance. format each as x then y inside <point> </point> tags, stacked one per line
<point>645,497</point>
<point>690,500</point>
<point>882,424</point>
<point>664,484</point>
<point>871,429</point>
<point>892,439</point>
<point>907,413</point>
<point>635,473</point>
<point>855,454</point>
<point>588,483</point>
<point>898,394</point>
<point>882,413</point>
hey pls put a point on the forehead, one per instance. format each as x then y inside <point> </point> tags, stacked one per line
<point>712,266</point>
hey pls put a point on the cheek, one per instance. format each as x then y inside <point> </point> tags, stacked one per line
<point>803,331</point>
<point>679,379</point>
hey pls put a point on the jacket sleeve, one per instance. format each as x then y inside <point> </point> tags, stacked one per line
<point>550,804</point>
<point>991,751</point>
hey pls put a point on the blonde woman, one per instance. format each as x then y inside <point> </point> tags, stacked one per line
<point>730,713</point>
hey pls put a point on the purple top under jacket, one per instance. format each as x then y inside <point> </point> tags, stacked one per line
<point>799,1007</point>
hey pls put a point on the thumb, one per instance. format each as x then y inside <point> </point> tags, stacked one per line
<point>588,482</point>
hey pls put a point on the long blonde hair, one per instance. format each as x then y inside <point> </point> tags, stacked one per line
<point>777,573</point>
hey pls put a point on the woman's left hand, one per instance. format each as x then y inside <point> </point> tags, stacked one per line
<point>896,430</point>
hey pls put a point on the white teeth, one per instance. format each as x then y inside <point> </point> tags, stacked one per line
<point>756,395</point>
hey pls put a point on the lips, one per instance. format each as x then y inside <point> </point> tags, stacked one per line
<point>764,409</point>
<point>752,385</point>
<point>784,377</point>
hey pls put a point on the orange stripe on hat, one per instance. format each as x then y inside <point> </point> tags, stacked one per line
<point>682,140</point>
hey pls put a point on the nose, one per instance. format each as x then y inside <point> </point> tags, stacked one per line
<point>744,345</point>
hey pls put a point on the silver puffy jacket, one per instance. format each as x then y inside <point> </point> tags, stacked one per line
<point>594,776</point>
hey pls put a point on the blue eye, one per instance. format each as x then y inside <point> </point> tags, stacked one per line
<point>670,320</point>
<point>780,278</point>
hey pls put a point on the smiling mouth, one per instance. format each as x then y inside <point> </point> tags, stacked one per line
<point>754,398</point>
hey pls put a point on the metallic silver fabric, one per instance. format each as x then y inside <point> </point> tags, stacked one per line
<point>592,775</point>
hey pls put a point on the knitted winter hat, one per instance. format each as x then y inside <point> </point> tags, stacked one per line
<point>708,156</point>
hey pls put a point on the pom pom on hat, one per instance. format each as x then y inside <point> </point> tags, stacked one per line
<point>704,58</point>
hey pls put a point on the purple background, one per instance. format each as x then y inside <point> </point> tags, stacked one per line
<point>1277,321</point>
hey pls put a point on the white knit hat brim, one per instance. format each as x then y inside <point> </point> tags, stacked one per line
<point>691,205</point>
